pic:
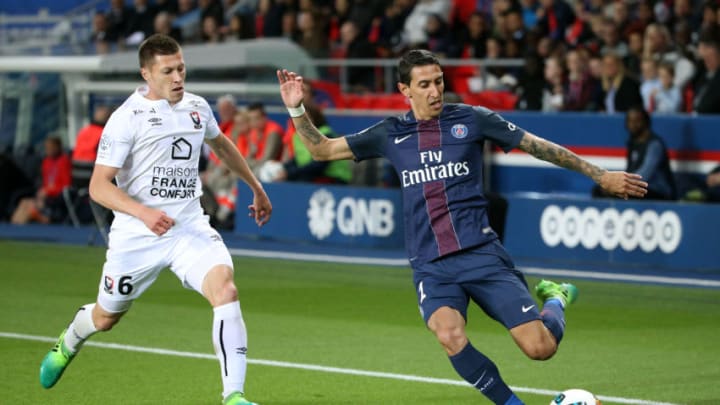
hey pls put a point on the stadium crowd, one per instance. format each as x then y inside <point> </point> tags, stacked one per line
<point>582,55</point>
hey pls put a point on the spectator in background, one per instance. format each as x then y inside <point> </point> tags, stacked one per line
<point>301,166</point>
<point>226,109</point>
<point>438,37</point>
<point>650,81</point>
<point>634,58</point>
<point>163,25</point>
<point>611,39</point>
<point>710,15</point>
<point>580,31</point>
<point>47,206</point>
<point>657,44</point>
<point>270,16</point>
<point>118,18</point>
<point>620,17</point>
<point>211,32</point>
<point>266,137</point>
<point>647,156</point>
<point>414,32</point>
<point>665,99</point>
<point>240,26</point>
<point>312,33</point>
<point>219,183</point>
<point>212,8</point>
<point>620,91</point>
<point>391,24</point>
<point>531,83</point>
<point>643,17</point>
<point>240,133</point>
<point>707,83</point>
<point>582,91</point>
<point>554,90</point>
<point>188,20</point>
<point>141,22</point>
<point>102,38</point>
<point>555,17</point>
<point>83,161</point>
<point>354,46</point>
<point>476,35</point>
<point>88,138</point>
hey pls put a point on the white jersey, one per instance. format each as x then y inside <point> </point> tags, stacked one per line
<point>157,148</point>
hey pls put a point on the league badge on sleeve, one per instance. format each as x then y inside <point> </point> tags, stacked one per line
<point>195,116</point>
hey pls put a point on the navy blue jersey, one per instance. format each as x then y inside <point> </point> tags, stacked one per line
<point>439,163</point>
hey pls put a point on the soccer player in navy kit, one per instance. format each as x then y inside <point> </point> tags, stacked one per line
<point>436,150</point>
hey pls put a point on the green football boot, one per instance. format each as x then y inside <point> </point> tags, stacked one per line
<point>55,363</point>
<point>237,398</point>
<point>565,292</point>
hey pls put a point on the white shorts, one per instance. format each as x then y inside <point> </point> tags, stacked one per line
<point>134,261</point>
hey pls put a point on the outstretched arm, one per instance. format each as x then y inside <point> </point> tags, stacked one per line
<point>621,184</point>
<point>321,147</point>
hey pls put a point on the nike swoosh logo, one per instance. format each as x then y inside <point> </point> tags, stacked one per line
<point>398,140</point>
<point>525,309</point>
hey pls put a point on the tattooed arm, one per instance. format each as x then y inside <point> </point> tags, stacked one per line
<point>321,147</point>
<point>618,183</point>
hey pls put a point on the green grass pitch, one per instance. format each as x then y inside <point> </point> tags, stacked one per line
<point>627,341</point>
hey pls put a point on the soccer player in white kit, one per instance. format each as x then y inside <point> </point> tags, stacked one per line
<point>151,146</point>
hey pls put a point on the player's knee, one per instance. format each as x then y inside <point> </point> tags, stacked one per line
<point>453,339</point>
<point>539,350</point>
<point>226,293</point>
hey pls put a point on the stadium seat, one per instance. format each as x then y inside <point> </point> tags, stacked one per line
<point>80,207</point>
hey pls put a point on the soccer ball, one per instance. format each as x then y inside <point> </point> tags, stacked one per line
<point>268,172</point>
<point>575,397</point>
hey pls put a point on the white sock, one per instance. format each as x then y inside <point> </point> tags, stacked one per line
<point>81,328</point>
<point>230,342</point>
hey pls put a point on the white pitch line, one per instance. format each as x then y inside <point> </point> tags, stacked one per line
<point>696,282</point>
<point>674,281</point>
<point>315,367</point>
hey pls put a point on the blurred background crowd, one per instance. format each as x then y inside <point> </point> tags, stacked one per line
<point>581,55</point>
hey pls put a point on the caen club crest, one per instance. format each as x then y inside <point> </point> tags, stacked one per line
<point>195,119</point>
<point>109,283</point>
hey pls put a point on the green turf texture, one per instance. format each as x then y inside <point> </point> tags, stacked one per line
<point>623,340</point>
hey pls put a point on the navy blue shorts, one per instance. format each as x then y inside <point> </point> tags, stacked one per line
<point>485,274</point>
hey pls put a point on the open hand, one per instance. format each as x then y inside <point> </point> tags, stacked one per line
<point>291,88</point>
<point>623,185</point>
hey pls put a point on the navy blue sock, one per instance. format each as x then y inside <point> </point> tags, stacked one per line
<point>482,374</point>
<point>553,316</point>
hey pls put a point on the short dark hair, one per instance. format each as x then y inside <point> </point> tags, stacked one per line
<point>412,58</point>
<point>156,44</point>
<point>257,106</point>
<point>710,36</point>
<point>643,112</point>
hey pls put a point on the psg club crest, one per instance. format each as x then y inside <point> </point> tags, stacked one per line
<point>459,131</point>
<point>195,119</point>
